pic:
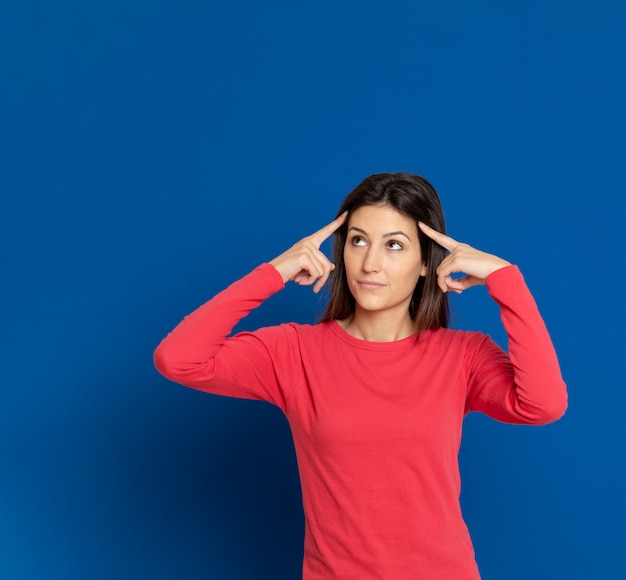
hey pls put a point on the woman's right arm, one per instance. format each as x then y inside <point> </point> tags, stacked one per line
<point>256,365</point>
<point>199,354</point>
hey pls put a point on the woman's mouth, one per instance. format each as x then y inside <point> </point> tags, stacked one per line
<point>367,285</point>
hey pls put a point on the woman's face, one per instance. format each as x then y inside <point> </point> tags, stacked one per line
<point>383,259</point>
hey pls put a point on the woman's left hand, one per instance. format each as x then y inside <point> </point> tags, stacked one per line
<point>476,265</point>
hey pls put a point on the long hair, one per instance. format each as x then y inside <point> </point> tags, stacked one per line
<point>414,197</point>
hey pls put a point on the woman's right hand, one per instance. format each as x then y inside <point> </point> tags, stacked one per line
<point>304,262</point>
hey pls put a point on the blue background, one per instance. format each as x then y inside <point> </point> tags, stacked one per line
<point>153,151</point>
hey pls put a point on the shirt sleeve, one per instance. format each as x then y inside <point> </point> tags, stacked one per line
<point>259,365</point>
<point>525,386</point>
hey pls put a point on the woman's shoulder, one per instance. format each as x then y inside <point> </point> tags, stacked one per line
<point>447,337</point>
<point>293,330</point>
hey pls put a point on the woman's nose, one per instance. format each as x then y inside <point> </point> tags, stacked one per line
<point>371,261</point>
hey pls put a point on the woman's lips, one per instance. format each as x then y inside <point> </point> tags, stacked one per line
<point>370,285</point>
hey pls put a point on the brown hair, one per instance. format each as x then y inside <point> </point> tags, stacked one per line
<point>414,197</point>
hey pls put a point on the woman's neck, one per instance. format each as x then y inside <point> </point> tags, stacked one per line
<point>378,326</point>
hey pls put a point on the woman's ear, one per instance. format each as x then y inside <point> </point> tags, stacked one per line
<point>424,270</point>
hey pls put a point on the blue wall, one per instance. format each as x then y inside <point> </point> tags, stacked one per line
<point>153,151</point>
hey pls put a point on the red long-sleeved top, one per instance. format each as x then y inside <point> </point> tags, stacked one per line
<point>376,426</point>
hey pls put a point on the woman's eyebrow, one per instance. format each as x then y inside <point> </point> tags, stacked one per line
<point>398,233</point>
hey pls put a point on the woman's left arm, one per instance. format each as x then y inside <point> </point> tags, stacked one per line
<point>526,385</point>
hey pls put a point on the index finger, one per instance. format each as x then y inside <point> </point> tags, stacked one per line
<point>446,241</point>
<point>328,230</point>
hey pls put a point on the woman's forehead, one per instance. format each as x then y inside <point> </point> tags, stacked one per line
<point>378,219</point>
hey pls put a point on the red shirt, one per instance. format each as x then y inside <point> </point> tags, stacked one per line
<point>376,425</point>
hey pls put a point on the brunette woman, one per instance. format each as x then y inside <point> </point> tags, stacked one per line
<point>375,393</point>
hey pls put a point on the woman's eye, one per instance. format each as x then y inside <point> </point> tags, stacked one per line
<point>393,245</point>
<point>358,241</point>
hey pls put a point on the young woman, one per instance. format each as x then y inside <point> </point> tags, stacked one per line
<point>375,393</point>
